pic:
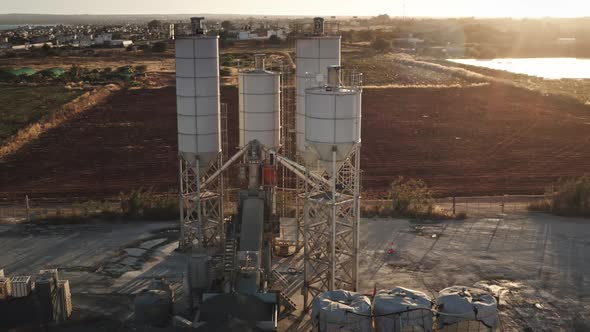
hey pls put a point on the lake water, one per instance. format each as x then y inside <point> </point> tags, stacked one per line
<point>14,26</point>
<point>7,27</point>
<point>551,68</point>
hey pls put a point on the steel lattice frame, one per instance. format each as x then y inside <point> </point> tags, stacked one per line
<point>331,232</point>
<point>201,209</point>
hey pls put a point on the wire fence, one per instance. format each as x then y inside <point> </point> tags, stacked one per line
<point>26,209</point>
<point>473,206</point>
<point>19,209</point>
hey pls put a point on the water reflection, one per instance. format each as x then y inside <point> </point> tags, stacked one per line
<point>551,68</point>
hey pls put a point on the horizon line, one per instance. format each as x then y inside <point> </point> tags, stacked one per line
<point>306,15</point>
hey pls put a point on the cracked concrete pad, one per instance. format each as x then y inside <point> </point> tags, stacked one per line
<point>130,261</point>
<point>135,252</point>
<point>151,243</point>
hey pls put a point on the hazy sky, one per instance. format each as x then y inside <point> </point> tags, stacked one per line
<point>482,8</point>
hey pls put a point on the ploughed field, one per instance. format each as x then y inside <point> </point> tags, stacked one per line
<point>491,139</point>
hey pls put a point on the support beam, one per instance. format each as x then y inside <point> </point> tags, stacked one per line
<point>225,166</point>
<point>331,231</point>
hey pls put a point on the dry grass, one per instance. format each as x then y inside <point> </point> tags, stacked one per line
<point>54,119</point>
<point>399,70</point>
<point>571,198</point>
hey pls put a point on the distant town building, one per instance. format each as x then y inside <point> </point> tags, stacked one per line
<point>245,35</point>
<point>103,38</point>
<point>281,33</point>
<point>121,43</point>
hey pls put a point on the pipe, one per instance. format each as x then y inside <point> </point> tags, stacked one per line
<point>225,166</point>
<point>296,168</point>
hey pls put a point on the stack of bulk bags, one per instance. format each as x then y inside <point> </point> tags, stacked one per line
<point>401,310</point>
<point>341,310</point>
<point>465,309</point>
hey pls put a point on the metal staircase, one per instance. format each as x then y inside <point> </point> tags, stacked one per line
<point>285,289</point>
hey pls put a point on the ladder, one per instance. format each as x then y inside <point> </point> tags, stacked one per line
<point>229,256</point>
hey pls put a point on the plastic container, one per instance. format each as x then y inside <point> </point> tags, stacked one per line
<point>45,289</point>
<point>5,288</point>
<point>21,286</point>
<point>63,303</point>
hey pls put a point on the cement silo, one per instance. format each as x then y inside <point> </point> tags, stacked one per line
<point>260,99</point>
<point>332,122</point>
<point>313,56</point>
<point>199,139</point>
<point>197,96</point>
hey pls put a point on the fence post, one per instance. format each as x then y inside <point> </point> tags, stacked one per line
<point>27,208</point>
<point>453,205</point>
<point>502,204</point>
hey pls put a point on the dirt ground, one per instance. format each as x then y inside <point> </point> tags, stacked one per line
<point>155,62</point>
<point>490,139</point>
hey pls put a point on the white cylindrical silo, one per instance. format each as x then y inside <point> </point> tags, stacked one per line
<point>197,98</point>
<point>313,56</point>
<point>332,124</point>
<point>259,112</point>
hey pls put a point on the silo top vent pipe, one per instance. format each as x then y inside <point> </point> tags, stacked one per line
<point>259,61</point>
<point>334,76</point>
<point>197,26</point>
<point>318,26</point>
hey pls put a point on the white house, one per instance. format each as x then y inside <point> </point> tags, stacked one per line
<point>103,38</point>
<point>245,35</point>
<point>281,33</point>
<point>122,43</point>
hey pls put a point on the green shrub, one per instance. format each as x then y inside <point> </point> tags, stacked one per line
<point>411,197</point>
<point>159,47</point>
<point>224,72</point>
<point>145,204</point>
<point>140,69</point>
<point>381,44</point>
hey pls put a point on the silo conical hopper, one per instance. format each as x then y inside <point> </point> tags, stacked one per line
<point>332,122</point>
<point>197,96</point>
